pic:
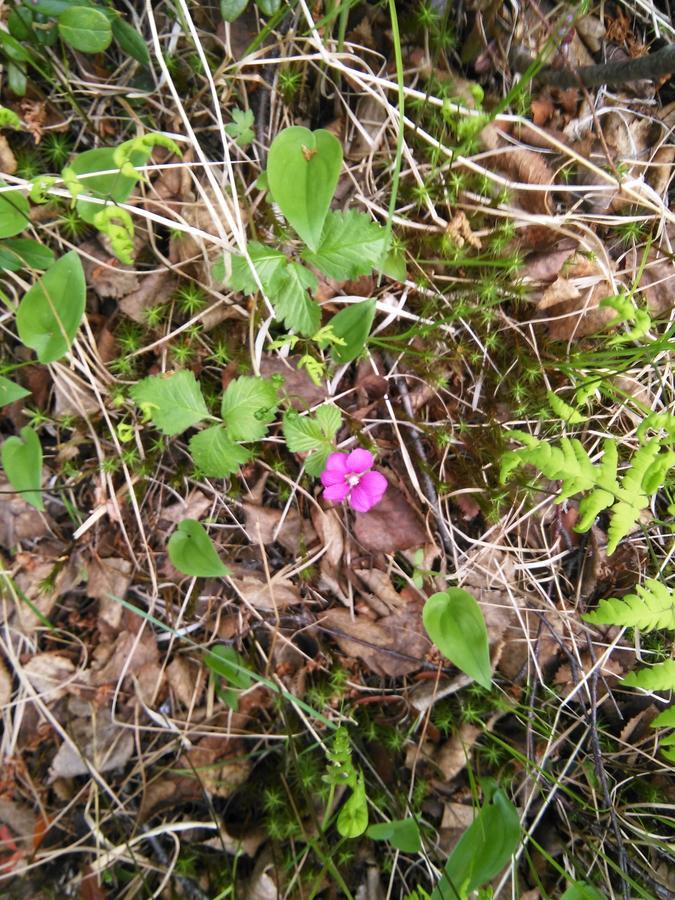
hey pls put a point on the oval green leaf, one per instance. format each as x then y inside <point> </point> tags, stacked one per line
<point>13,212</point>
<point>230,10</point>
<point>51,311</point>
<point>114,186</point>
<point>352,324</point>
<point>303,168</point>
<point>192,552</point>
<point>403,834</point>
<point>20,252</point>
<point>85,29</point>
<point>454,622</point>
<point>22,462</point>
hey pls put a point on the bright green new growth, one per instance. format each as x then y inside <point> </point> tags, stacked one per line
<point>652,606</point>
<point>570,463</point>
<point>454,621</point>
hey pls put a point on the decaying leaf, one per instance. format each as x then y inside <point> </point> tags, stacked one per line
<point>50,674</point>
<point>298,386</point>
<point>5,685</point>
<point>274,594</point>
<point>109,578</point>
<point>454,754</point>
<point>128,654</point>
<point>97,740</point>
<point>395,646</point>
<point>186,680</point>
<point>18,520</point>
<point>392,525</point>
<point>264,525</point>
<point>105,273</point>
<point>154,289</point>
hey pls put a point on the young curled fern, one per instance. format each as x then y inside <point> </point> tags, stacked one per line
<point>625,495</point>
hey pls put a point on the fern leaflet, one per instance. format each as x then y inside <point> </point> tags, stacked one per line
<point>660,677</point>
<point>652,606</point>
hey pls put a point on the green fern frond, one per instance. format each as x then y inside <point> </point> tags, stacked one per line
<point>660,677</point>
<point>665,719</point>
<point>652,606</point>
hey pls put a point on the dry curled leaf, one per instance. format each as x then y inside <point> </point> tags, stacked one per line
<point>128,654</point>
<point>96,741</point>
<point>264,525</point>
<point>50,674</point>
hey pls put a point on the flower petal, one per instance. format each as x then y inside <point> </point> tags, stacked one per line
<point>360,461</point>
<point>336,462</point>
<point>336,493</point>
<point>368,492</point>
<point>329,477</point>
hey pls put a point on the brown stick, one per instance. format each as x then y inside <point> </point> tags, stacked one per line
<point>654,65</point>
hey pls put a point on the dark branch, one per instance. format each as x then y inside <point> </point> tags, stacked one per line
<point>652,66</point>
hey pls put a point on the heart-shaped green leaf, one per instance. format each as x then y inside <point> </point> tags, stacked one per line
<point>455,623</point>
<point>303,167</point>
<point>191,551</point>
<point>51,311</point>
<point>22,462</point>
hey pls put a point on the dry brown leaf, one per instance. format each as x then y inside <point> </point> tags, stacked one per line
<point>395,646</point>
<point>330,531</point>
<point>21,819</point>
<point>5,685</point>
<point>560,291</point>
<point>186,680</point>
<point>154,289</point>
<point>149,683</point>
<point>105,273</point>
<point>50,674</point>
<point>109,578</point>
<point>262,527</point>
<point>73,397</point>
<point>37,569</point>
<point>583,315</point>
<point>611,669</point>
<point>542,110</point>
<point>278,593</point>
<point>195,505</point>
<point>591,30</point>
<point>384,598</point>
<point>522,165</point>
<point>128,654</point>
<point>18,520</point>
<point>98,741</point>
<point>392,525</point>
<point>223,764</point>
<point>453,755</point>
<point>7,158</point>
<point>301,390</point>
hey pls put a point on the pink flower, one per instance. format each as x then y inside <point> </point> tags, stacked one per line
<point>350,476</point>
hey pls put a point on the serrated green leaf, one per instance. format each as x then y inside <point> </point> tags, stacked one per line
<point>352,324</point>
<point>51,311</point>
<point>316,461</point>
<point>249,405</point>
<point>292,304</point>
<point>192,552</point>
<point>564,411</point>
<point>14,211</point>
<point>660,677</point>
<point>652,606</point>
<point>303,167</point>
<point>216,454</point>
<point>351,245</point>
<point>267,264</point>
<point>403,834</point>
<point>85,29</point>
<point>174,401</point>
<point>455,623</point>
<point>9,392</point>
<point>22,462</point>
